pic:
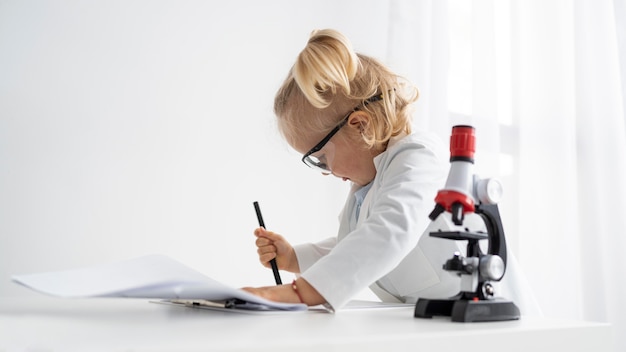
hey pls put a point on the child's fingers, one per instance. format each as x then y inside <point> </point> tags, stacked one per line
<point>265,258</point>
<point>266,253</point>
<point>263,233</point>
<point>271,245</point>
<point>265,246</point>
<point>267,250</point>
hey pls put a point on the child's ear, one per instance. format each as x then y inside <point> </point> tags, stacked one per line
<point>359,120</point>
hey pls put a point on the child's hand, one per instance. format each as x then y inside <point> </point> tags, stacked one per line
<point>281,293</point>
<point>287,293</point>
<point>272,245</point>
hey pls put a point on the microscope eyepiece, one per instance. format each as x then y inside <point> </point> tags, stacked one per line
<point>462,143</point>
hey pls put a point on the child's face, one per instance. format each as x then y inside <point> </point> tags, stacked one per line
<point>345,153</point>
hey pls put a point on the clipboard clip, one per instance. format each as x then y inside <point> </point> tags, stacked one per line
<point>233,303</point>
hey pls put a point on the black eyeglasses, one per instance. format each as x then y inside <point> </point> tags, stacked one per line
<point>319,162</point>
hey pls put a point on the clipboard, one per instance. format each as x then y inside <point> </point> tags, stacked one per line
<point>230,306</point>
<point>152,277</point>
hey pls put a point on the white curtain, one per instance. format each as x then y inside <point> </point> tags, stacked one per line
<point>543,83</point>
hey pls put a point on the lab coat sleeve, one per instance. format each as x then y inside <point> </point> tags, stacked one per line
<point>309,253</point>
<point>402,197</point>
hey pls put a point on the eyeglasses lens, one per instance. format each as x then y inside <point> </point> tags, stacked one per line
<point>322,159</point>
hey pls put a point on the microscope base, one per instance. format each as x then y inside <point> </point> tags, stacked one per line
<point>461,310</point>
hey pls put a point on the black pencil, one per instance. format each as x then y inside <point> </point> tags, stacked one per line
<point>273,261</point>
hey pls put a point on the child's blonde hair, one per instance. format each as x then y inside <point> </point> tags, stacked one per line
<point>329,79</point>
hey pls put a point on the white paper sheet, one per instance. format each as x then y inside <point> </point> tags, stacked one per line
<point>152,276</point>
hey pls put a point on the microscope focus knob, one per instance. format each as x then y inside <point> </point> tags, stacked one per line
<point>489,191</point>
<point>491,267</point>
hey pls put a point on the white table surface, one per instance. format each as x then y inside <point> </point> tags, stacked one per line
<point>54,324</point>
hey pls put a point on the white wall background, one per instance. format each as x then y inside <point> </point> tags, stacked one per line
<point>137,127</point>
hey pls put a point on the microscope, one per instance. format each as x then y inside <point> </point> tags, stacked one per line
<point>465,193</point>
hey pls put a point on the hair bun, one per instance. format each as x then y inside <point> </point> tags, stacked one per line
<point>328,62</point>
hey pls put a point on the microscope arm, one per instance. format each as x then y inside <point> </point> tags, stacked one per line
<point>491,216</point>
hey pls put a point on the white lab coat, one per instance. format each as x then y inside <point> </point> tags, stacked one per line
<point>393,216</point>
<point>388,248</point>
